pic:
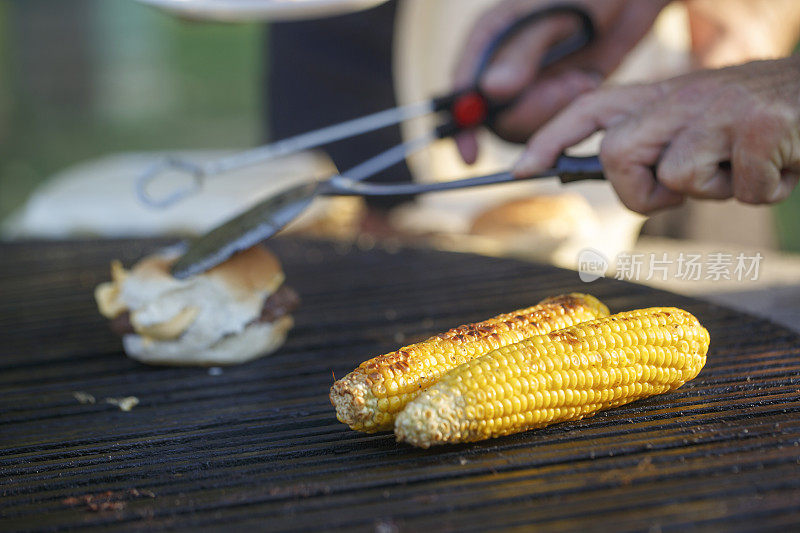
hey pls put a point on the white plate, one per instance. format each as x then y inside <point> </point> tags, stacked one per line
<point>259,10</point>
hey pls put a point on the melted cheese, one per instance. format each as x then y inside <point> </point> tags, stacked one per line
<point>168,330</point>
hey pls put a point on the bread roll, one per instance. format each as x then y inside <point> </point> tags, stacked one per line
<point>233,313</point>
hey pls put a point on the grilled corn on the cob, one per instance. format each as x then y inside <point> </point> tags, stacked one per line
<point>368,398</point>
<point>563,375</point>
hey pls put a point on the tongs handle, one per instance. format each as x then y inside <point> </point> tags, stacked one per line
<point>568,169</point>
<point>470,107</point>
<point>571,168</point>
<point>558,51</point>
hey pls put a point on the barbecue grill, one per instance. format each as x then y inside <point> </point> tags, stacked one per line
<point>259,446</point>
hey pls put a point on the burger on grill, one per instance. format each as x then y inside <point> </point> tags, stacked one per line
<point>231,314</point>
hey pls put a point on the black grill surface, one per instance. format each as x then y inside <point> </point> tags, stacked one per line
<point>259,446</point>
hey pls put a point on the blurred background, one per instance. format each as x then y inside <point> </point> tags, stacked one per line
<point>93,90</point>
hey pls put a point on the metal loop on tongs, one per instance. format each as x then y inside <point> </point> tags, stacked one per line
<point>146,179</point>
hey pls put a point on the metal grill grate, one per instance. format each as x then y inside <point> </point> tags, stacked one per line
<point>259,444</point>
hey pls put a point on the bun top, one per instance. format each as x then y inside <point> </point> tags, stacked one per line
<point>551,215</point>
<point>202,308</point>
<point>249,271</point>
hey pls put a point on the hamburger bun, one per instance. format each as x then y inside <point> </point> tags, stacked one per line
<point>548,217</point>
<point>231,314</point>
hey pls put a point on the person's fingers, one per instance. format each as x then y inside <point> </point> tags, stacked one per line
<point>518,63</point>
<point>758,159</point>
<point>572,125</point>
<point>488,25</point>
<point>638,189</point>
<point>756,179</point>
<point>628,164</point>
<point>542,101</point>
<point>691,164</point>
<point>573,75</point>
<point>467,144</point>
<point>514,67</point>
<point>587,114</point>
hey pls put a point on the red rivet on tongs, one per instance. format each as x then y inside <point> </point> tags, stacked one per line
<point>469,110</point>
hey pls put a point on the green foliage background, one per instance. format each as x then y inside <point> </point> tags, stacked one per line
<point>201,90</point>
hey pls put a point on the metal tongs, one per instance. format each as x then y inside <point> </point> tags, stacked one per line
<point>461,110</point>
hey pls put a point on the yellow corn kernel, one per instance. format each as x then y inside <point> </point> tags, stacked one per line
<point>383,385</point>
<point>566,376</point>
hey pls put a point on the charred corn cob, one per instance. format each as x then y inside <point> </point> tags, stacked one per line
<point>368,398</point>
<point>564,375</point>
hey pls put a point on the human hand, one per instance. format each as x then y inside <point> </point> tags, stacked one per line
<point>732,132</point>
<point>620,25</point>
